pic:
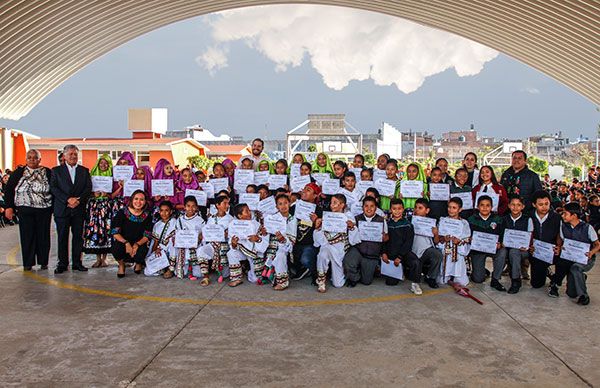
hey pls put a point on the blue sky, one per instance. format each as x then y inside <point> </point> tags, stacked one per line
<point>249,97</point>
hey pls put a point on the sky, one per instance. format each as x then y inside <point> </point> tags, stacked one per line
<point>259,72</point>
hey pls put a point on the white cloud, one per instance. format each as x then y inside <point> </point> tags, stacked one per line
<point>345,44</point>
<point>531,90</point>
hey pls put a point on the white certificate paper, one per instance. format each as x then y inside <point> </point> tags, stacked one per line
<point>439,191</point>
<point>379,174</point>
<point>363,186</point>
<point>198,194</point>
<point>330,186</point>
<point>484,242</point>
<point>241,180</point>
<point>219,184</point>
<point>213,233</point>
<point>335,222</point>
<point>250,199</point>
<point>298,183</point>
<point>186,239</point>
<point>319,177</point>
<point>267,206</point>
<point>162,187</point>
<point>411,189</point>
<point>450,227</point>
<point>391,270</point>
<point>261,177</point>
<point>575,251</point>
<point>543,251</point>
<point>122,173</point>
<point>304,209</point>
<point>516,239</point>
<point>466,198</point>
<point>102,183</point>
<point>241,229</point>
<point>495,199</point>
<point>423,225</point>
<point>208,188</point>
<point>295,170</point>
<point>275,223</point>
<point>131,186</point>
<point>155,263</point>
<point>356,171</point>
<point>370,231</point>
<point>277,181</point>
<point>386,187</point>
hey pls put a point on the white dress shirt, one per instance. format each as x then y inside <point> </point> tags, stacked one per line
<point>72,170</point>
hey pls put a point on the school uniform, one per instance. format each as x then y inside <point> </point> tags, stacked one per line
<point>400,242</point>
<point>187,260</point>
<point>454,264</point>
<point>545,229</point>
<point>362,259</point>
<point>454,189</point>
<point>253,252</point>
<point>428,256</point>
<point>575,272</point>
<point>163,235</point>
<point>515,256</point>
<point>493,224</point>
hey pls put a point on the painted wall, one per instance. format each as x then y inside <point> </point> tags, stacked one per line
<point>155,156</point>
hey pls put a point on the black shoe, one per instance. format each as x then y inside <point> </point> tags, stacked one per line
<point>44,267</point>
<point>302,274</point>
<point>515,286</point>
<point>495,284</point>
<point>431,282</point>
<point>487,273</point>
<point>27,268</point>
<point>350,283</point>
<point>583,300</point>
<point>79,267</point>
<point>120,275</point>
<point>553,291</point>
<point>60,270</point>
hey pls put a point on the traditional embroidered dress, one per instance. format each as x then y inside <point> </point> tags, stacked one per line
<point>163,234</point>
<point>99,211</point>
<point>247,250</point>
<point>455,265</point>
<point>119,201</point>
<point>187,260</point>
<point>333,248</point>
<point>277,252</point>
<point>215,251</point>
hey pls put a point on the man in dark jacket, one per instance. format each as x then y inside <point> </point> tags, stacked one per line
<point>518,179</point>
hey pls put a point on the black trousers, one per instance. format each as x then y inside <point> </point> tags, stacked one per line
<point>34,231</point>
<point>119,253</point>
<point>74,225</point>
<point>412,267</point>
<point>539,272</point>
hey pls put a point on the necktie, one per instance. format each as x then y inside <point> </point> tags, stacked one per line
<point>485,189</point>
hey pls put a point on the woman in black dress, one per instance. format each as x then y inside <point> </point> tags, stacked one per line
<point>132,229</point>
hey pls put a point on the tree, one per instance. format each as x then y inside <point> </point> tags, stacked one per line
<point>201,162</point>
<point>537,165</point>
<point>312,148</point>
<point>369,158</point>
<point>576,171</point>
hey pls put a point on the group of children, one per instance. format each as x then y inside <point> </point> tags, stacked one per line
<point>346,232</point>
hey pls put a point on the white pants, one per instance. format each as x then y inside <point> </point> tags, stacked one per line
<point>458,269</point>
<point>234,257</point>
<point>333,254</point>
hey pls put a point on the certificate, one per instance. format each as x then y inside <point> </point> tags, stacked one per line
<point>391,270</point>
<point>516,239</point>
<point>304,209</point>
<point>213,233</point>
<point>484,242</point>
<point>423,225</point>
<point>241,229</point>
<point>261,177</point>
<point>102,183</point>
<point>356,208</point>
<point>379,174</point>
<point>208,188</point>
<point>250,199</point>
<point>411,189</point>
<point>299,182</point>
<point>331,186</point>
<point>198,194</point>
<point>439,191</point>
<point>466,198</point>
<point>219,184</point>
<point>543,251</point>
<point>267,206</point>
<point>123,173</point>
<point>370,231</point>
<point>295,170</point>
<point>155,263</point>
<point>495,199</point>
<point>275,223</point>
<point>575,251</point>
<point>356,171</point>
<point>351,196</point>
<point>131,186</point>
<point>363,186</point>
<point>386,187</point>
<point>335,222</point>
<point>241,180</point>
<point>186,239</point>
<point>162,187</point>
<point>450,227</point>
<point>319,177</point>
<point>277,181</point>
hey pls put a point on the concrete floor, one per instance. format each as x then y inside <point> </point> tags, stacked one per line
<point>92,329</point>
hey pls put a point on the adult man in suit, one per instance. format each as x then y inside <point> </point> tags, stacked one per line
<point>71,186</point>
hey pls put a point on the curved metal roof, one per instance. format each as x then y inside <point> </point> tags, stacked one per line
<point>44,42</point>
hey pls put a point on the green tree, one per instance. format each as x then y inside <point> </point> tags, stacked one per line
<point>537,165</point>
<point>369,158</point>
<point>576,171</point>
<point>202,162</point>
<point>312,148</point>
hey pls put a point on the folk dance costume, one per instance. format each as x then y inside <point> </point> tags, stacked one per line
<point>163,235</point>
<point>247,250</point>
<point>333,249</point>
<point>454,263</point>
<point>215,251</point>
<point>187,258</point>
<point>276,255</point>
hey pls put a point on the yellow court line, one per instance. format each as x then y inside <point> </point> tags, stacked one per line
<point>11,259</point>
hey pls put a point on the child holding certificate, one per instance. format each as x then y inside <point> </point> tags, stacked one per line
<point>280,245</point>
<point>216,251</point>
<point>249,247</point>
<point>163,236</point>
<point>164,170</point>
<point>455,248</point>
<point>334,246</point>
<point>459,186</point>
<point>414,172</point>
<point>362,259</point>
<point>486,222</point>
<point>391,171</point>
<point>187,260</point>
<point>546,228</point>
<point>424,249</point>
<point>573,228</point>
<point>515,220</point>
<point>437,208</point>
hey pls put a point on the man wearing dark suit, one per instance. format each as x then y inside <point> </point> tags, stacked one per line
<point>71,186</point>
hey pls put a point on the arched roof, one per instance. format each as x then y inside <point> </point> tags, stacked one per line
<point>44,42</point>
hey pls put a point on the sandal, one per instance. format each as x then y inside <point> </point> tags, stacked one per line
<point>235,283</point>
<point>205,282</point>
<point>168,274</point>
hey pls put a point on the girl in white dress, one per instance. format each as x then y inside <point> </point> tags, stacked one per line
<point>455,248</point>
<point>280,245</point>
<point>187,259</point>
